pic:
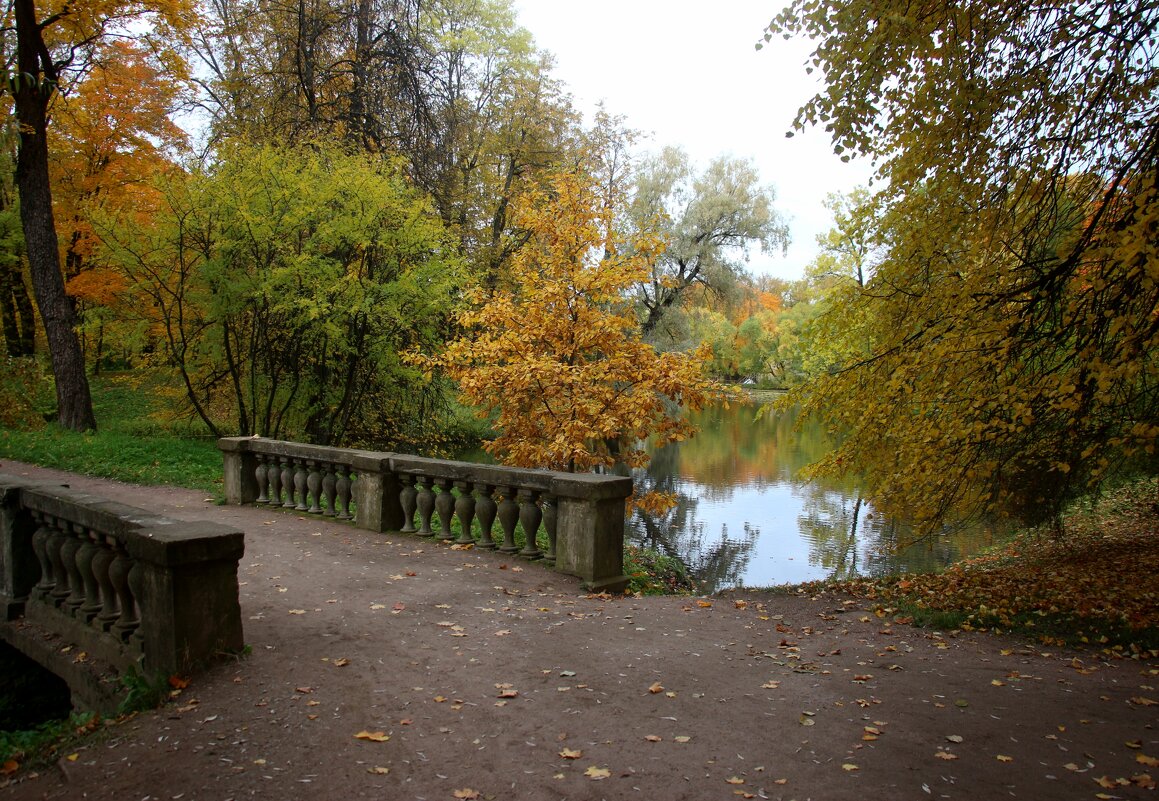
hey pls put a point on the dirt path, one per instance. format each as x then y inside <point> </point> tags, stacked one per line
<point>499,678</point>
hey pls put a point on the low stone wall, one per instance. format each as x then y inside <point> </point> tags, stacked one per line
<point>86,580</point>
<point>581,515</point>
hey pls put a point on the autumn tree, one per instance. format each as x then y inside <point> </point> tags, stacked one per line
<point>110,141</point>
<point>556,355</point>
<point>711,220</point>
<point>1011,319</point>
<point>52,46</point>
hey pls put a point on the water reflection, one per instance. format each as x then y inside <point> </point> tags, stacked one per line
<point>745,518</point>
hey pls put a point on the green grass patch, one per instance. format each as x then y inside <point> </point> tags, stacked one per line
<point>135,441</point>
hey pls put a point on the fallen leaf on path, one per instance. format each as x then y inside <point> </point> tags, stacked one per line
<point>1004,758</point>
<point>467,794</point>
<point>849,766</point>
<point>297,611</point>
<point>596,774</point>
<point>734,780</point>
<point>741,604</point>
<point>954,738</point>
<point>373,736</point>
<point>656,687</point>
<point>569,753</point>
<point>652,738</point>
<point>1139,700</point>
<point>704,604</point>
<point>770,685</point>
<point>683,738</point>
<point>946,755</point>
<point>378,771</point>
<point>1149,761</point>
<point>343,662</point>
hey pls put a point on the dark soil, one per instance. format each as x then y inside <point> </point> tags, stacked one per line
<point>501,678</point>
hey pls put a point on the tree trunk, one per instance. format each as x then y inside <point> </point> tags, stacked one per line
<point>34,87</point>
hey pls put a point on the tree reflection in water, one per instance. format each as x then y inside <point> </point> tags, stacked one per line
<point>740,474</point>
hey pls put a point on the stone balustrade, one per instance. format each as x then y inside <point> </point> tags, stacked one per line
<point>574,521</point>
<point>128,589</point>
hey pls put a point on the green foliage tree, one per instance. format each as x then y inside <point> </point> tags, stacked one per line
<point>1010,323</point>
<point>284,283</point>
<point>710,221</point>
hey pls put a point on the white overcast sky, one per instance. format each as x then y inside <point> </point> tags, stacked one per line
<point>687,73</point>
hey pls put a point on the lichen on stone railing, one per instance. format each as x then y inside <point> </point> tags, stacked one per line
<point>135,590</point>
<point>574,521</point>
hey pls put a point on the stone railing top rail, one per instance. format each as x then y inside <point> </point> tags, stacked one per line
<point>562,485</point>
<point>147,536</point>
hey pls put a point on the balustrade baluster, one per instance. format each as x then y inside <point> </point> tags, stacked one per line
<point>407,498</point>
<point>107,607</point>
<point>260,473</point>
<point>288,483</point>
<point>274,477</point>
<point>550,519</point>
<point>465,511</point>
<point>445,506</point>
<point>40,549</point>
<point>329,489</point>
<point>426,505</point>
<point>136,581</point>
<point>56,540</point>
<point>342,487</point>
<point>508,519</point>
<point>301,477</point>
<point>485,509</point>
<point>126,620</point>
<point>68,555</point>
<point>314,486</point>
<point>530,516</point>
<point>84,562</point>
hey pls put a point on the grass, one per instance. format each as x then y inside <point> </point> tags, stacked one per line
<point>134,442</point>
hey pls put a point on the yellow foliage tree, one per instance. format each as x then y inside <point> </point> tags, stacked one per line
<point>556,355</point>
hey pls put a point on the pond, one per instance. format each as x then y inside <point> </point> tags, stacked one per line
<point>744,517</point>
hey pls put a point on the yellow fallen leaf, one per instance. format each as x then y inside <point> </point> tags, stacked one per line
<point>741,604</point>
<point>652,738</point>
<point>1004,758</point>
<point>656,687</point>
<point>297,611</point>
<point>597,773</point>
<point>849,766</point>
<point>570,753</point>
<point>946,755</point>
<point>1149,761</point>
<point>72,757</point>
<point>770,685</point>
<point>373,736</point>
<point>466,794</point>
<point>341,662</point>
<point>681,738</point>
<point>734,780</point>
<point>378,771</point>
<point>1139,700</point>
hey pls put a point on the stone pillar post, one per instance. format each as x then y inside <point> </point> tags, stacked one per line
<point>376,493</point>
<point>240,466</point>
<point>187,593</point>
<point>590,529</point>
<point>19,569</point>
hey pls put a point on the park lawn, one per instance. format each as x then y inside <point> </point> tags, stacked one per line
<point>135,441</point>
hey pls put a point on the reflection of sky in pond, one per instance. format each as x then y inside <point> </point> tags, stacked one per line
<point>744,519</point>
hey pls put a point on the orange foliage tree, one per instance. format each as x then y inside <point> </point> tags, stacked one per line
<point>111,137</point>
<point>555,355</point>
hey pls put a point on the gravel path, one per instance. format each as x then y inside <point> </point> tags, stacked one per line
<point>473,675</point>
